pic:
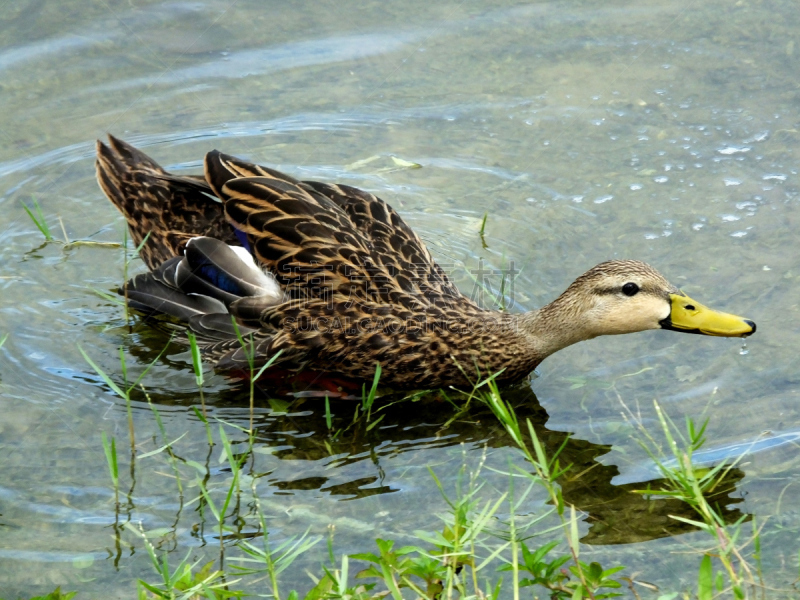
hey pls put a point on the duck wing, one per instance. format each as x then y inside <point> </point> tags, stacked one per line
<point>199,287</point>
<point>326,240</point>
<point>394,244</point>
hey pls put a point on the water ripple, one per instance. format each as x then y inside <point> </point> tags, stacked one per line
<point>715,455</point>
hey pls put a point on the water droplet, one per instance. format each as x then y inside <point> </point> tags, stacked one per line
<point>743,350</point>
<point>636,186</point>
<point>603,199</point>
<point>732,181</point>
<point>729,218</point>
<point>661,179</point>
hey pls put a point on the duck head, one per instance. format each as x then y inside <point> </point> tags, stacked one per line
<point>626,296</point>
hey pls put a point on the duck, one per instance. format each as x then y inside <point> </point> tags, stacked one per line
<point>324,277</point>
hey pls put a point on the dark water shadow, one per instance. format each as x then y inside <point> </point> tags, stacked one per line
<point>300,432</point>
<point>615,513</point>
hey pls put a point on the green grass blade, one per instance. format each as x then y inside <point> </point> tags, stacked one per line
<point>210,503</point>
<point>110,297</point>
<point>152,364</point>
<point>197,362</point>
<point>705,579</point>
<point>249,352</point>
<point>368,401</point>
<point>164,447</point>
<point>374,423</point>
<point>111,458</point>
<point>328,415</point>
<point>38,219</point>
<point>103,375</point>
<point>573,531</point>
<point>268,364</point>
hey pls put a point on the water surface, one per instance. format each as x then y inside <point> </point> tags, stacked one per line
<point>665,131</point>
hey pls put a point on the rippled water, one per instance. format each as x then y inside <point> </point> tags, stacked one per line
<point>663,131</point>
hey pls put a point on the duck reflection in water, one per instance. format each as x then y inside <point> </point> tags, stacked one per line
<point>297,430</point>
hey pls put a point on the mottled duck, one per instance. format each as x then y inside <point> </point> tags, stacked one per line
<point>332,278</point>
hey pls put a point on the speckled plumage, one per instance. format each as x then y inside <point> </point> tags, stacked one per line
<point>360,286</point>
<point>171,209</point>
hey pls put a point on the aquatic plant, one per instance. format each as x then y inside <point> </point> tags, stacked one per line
<point>38,219</point>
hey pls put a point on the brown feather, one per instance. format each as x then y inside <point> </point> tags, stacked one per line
<point>171,209</point>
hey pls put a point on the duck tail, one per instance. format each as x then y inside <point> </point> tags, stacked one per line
<point>162,210</point>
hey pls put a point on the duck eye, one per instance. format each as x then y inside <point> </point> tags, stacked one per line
<point>630,289</point>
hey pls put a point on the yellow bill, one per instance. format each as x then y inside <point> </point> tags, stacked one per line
<point>692,317</point>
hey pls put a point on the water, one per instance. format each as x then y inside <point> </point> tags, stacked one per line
<point>666,132</point>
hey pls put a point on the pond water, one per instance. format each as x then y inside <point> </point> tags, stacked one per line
<point>665,131</point>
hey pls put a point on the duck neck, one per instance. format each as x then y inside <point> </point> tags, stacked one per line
<point>553,327</point>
